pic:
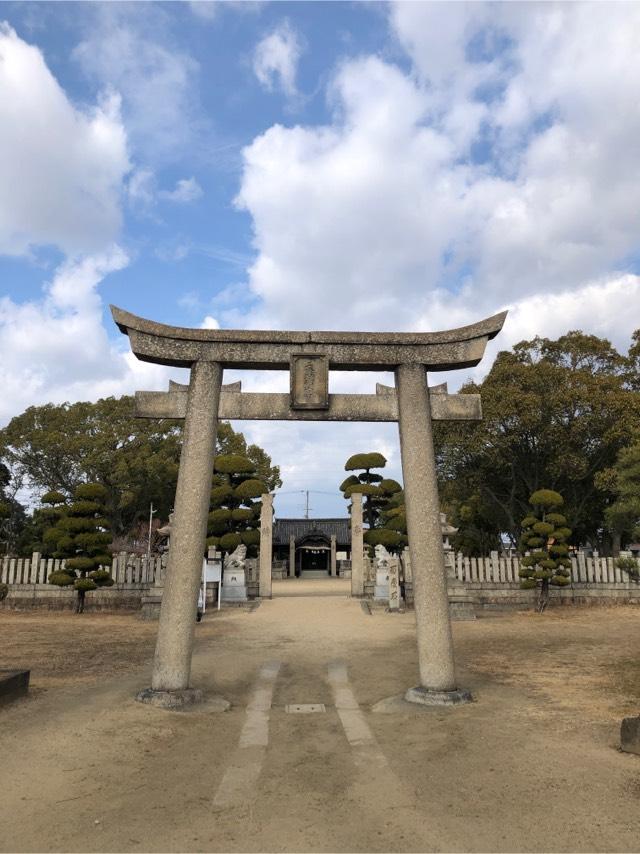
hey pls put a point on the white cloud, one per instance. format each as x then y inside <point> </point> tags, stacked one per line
<point>129,50</point>
<point>502,169</point>
<point>209,323</point>
<point>275,61</point>
<point>205,9</point>
<point>186,190</point>
<point>57,348</point>
<point>141,188</point>
<point>61,168</point>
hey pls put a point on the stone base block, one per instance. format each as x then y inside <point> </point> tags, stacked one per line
<point>13,684</point>
<point>381,593</point>
<point>462,609</point>
<point>176,700</point>
<point>234,594</point>
<point>150,607</point>
<point>630,735</point>
<point>425,697</point>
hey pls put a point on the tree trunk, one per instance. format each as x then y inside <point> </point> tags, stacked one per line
<point>543,598</point>
<point>80,602</point>
<point>616,540</point>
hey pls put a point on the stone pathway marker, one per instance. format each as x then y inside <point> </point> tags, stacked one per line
<point>309,356</point>
<point>243,772</point>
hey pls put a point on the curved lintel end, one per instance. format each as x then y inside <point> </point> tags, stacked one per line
<point>496,322</point>
<point>123,319</point>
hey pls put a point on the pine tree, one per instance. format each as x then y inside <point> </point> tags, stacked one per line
<point>392,533</point>
<point>367,483</point>
<point>545,533</point>
<point>81,536</point>
<point>234,516</point>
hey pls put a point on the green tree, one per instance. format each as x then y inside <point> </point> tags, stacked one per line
<point>53,506</point>
<point>555,412</point>
<point>367,483</point>
<point>58,447</point>
<point>622,516</point>
<point>81,536</point>
<point>392,530</point>
<point>12,514</point>
<point>544,536</point>
<point>234,512</point>
<point>477,535</point>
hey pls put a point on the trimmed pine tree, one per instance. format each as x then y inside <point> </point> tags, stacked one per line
<point>544,537</point>
<point>234,512</point>
<point>81,536</point>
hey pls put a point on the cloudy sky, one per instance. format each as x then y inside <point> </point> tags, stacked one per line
<point>403,166</point>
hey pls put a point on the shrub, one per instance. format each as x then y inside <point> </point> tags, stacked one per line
<point>83,585</point>
<point>630,566</point>
<point>546,498</point>
<point>251,488</point>
<point>61,578</point>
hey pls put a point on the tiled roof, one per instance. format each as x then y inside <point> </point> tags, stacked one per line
<point>298,528</point>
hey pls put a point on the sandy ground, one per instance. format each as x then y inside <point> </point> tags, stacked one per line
<point>531,765</point>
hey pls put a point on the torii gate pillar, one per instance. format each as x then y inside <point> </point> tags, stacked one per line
<point>431,601</point>
<point>172,661</point>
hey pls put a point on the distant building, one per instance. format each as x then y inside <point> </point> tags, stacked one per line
<point>309,542</point>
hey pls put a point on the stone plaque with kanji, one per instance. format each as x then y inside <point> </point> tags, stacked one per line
<point>309,382</point>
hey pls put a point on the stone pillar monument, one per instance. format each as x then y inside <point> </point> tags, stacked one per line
<point>266,546</point>
<point>292,556</point>
<point>395,599</point>
<point>357,546</point>
<point>334,566</point>
<point>430,595</point>
<point>174,646</point>
<point>381,568</point>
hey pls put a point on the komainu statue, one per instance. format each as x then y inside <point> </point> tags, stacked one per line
<point>234,561</point>
<point>382,557</point>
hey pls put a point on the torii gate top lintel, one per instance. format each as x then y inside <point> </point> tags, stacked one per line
<point>265,349</point>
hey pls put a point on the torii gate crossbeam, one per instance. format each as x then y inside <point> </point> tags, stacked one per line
<point>308,356</point>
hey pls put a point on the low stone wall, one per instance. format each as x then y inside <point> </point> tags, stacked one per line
<point>48,597</point>
<point>489,596</point>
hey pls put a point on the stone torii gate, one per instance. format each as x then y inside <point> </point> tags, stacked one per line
<point>308,356</point>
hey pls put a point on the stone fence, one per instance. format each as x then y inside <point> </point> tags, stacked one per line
<point>492,582</point>
<point>125,569</point>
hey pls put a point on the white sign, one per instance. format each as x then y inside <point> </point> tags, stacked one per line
<point>211,571</point>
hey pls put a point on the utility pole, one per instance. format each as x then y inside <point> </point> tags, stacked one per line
<point>151,514</point>
<point>306,512</point>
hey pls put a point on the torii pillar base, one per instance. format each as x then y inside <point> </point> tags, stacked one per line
<point>179,701</point>
<point>425,697</point>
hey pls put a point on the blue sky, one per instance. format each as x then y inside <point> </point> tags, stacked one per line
<point>309,165</point>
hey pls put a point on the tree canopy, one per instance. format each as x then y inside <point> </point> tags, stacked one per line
<point>555,414</point>
<point>60,446</point>
<point>234,509</point>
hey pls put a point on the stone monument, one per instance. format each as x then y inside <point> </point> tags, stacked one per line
<point>395,597</point>
<point>309,356</point>
<point>381,563</point>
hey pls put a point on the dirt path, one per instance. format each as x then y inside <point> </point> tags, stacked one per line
<point>531,765</point>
